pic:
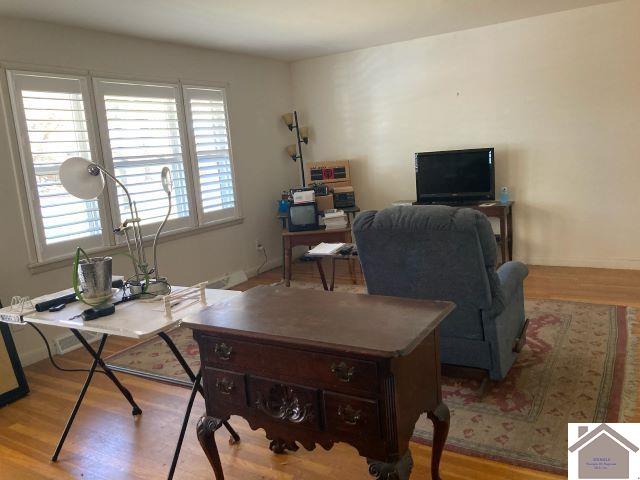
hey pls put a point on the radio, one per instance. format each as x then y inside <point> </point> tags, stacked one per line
<point>344,197</point>
<point>334,173</point>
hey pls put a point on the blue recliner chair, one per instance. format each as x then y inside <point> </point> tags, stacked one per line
<point>446,253</point>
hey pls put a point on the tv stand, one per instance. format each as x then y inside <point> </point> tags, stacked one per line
<point>492,209</point>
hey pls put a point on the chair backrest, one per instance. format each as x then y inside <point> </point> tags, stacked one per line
<point>429,252</point>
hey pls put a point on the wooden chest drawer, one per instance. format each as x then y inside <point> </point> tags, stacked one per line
<point>324,370</point>
<point>286,403</point>
<point>224,388</point>
<point>351,416</point>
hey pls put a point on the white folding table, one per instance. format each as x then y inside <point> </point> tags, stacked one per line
<point>137,319</point>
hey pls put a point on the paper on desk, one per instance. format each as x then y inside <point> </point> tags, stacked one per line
<point>325,248</point>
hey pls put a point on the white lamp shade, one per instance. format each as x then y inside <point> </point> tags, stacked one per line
<point>167,180</point>
<point>77,179</point>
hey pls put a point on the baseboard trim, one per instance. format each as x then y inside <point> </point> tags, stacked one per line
<point>271,264</point>
<point>616,263</point>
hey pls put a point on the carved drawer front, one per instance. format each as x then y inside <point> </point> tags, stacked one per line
<point>286,403</point>
<point>351,416</point>
<point>225,388</point>
<point>324,370</point>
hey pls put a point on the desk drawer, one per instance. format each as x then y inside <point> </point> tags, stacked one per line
<point>324,370</point>
<point>286,403</point>
<point>351,416</point>
<point>225,388</point>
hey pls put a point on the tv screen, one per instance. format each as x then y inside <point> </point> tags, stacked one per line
<point>455,176</point>
<point>303,216</point>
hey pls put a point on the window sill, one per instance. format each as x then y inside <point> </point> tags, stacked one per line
<point>48,265</point>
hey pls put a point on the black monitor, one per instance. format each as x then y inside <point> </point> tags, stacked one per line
<point>303,216</point>
<point>455,176</point>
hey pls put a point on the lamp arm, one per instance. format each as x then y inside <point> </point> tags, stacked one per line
<point>134,213</point>
<point>155,240</point>
<point>138,230</point>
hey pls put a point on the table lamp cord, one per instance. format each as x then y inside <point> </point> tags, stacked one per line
<point>53,362</point>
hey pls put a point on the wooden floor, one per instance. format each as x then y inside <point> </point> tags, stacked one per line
<point>107,443</point>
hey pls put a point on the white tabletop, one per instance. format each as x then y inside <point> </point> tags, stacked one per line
<point>139,319</point>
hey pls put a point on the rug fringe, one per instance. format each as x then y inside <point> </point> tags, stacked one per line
<point>629,396</point>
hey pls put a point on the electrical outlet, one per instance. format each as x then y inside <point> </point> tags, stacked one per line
<point>259,246</point>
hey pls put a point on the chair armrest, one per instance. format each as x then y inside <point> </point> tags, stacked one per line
<point>511,275</point>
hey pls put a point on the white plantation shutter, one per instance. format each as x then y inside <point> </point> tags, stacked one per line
<point>141,131</point>
<point>207,124</point>
<point>51,121</point>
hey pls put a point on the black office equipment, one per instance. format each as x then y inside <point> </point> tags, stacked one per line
<point>456,176</point>
<point>303,216</point>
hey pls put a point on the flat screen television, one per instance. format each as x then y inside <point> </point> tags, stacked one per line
<point>455,176</point>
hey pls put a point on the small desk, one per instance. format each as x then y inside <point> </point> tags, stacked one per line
<point>310,237</point>
<point>314,367</point>
<point>136,319</point>
<point>283,217</point>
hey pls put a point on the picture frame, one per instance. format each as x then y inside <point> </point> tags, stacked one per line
<point>13,383</point>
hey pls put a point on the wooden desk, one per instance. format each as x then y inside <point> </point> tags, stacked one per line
<point>310,238</point>
<point>284,216</point>
<point>314,367</point>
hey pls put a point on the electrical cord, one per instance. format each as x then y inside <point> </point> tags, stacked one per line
<point>53,362</point>
<point>264,250</point>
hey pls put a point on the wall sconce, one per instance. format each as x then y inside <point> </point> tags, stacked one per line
<point>302,136</point>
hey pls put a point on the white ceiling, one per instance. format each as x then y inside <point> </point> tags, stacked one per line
<point>283,29</point>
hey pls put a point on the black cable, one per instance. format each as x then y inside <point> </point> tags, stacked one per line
<point>53,362</point>
<point>264,250</point>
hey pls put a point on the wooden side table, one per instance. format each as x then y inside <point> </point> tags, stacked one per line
<point>503,212</point>
<point>309,238</point>
<point>283,217</point>
<point>286,361</point>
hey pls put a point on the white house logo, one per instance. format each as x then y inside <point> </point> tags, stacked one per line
<point>604,451</point>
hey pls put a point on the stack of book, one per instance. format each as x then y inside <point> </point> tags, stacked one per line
<point>335,220</point>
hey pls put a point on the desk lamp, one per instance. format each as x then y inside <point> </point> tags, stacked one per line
<point>86,180</point>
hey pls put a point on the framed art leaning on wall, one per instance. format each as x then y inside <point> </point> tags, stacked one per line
<point>13,384</point>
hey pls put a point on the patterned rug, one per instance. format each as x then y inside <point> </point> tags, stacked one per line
<point>578,366</point>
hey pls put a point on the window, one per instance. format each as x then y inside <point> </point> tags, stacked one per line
<point>141,134</point>
<point>51,118</point>
<point>211,153</point>
<point>141,128</point>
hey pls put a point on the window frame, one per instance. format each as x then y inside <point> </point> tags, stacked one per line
<point>41,256</point>
<point>174,225</point>
<point>61,249</point>
<point>216,217</point>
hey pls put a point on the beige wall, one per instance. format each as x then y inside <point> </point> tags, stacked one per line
<point>259,92</point>
<point>557,95</point>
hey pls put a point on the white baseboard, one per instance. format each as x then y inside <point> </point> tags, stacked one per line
<point>32,356</point>
<point>618,263</point>
<point>252,272</point>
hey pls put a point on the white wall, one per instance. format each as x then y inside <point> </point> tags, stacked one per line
<point>259,92</point>
<point>557,95</point>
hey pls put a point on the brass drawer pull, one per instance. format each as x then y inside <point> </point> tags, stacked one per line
<point>225,386</point>
<point>223,351</point>
<point>349,415</point>
<point>343,371</point>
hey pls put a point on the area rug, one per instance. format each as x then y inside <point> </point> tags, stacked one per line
<point>578,366</point>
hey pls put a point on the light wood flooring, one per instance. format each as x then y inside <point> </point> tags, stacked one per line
<point>106,443</point>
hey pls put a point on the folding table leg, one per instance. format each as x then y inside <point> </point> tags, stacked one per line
<point>183,428</point>
<point>76,407</point>
<point>127,394</point>
<point>235,438</point>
